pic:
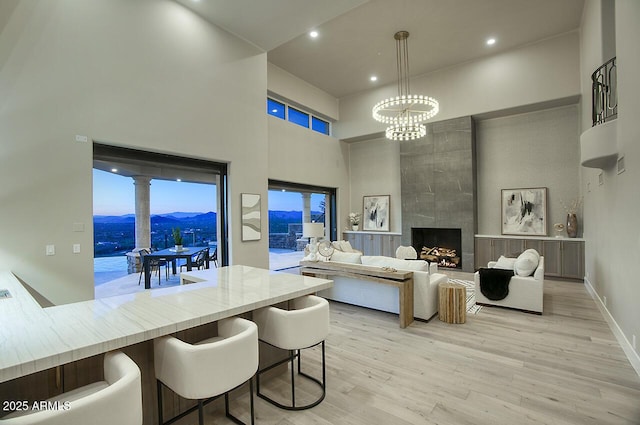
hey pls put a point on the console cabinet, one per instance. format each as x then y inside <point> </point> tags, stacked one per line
<point>562,257</point>
<point>374,243</point>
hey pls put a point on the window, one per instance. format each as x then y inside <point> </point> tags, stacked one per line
<point>291,204</point>
<point>319,125</point>
<point>298,117</point>
<point>275,108</point>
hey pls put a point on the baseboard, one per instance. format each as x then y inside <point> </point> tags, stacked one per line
<point>631,354</point>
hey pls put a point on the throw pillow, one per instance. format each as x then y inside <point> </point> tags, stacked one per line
<point>346,246</point>
<point>505,263</point>
<point>346,257</point>
<point>407,265</point>
<point>527,262</point>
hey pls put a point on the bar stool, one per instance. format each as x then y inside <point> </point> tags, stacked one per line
<point>305,326</point>
<point>116,400</point>
<point>208,369</point>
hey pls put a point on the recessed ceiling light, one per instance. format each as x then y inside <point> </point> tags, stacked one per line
<point>491,41</point>
<point>114,170</point>
<point>313,34</point>
<point>178,180</point>
<point>373,78</point>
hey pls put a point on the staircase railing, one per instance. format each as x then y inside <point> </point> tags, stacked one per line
<point>604,99</point>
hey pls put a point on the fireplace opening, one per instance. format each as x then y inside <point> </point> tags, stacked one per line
<point>442,246</point>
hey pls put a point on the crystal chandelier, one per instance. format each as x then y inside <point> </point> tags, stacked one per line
<point>405,113</point>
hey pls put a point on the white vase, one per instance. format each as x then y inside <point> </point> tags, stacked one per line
<point>178,248</point>
<point>354,227</point>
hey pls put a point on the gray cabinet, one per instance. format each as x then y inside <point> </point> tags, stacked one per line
<point>562,257</point>
<point>374,243</point>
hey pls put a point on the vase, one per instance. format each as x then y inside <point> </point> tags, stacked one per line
<point>354,227</point>
<point>572,225</point>
<point>178,248</point>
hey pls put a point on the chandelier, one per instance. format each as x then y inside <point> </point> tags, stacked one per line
<point>405,113</point>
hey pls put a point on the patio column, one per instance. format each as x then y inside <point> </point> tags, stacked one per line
<point>143,211</point>
<point>306,208</point>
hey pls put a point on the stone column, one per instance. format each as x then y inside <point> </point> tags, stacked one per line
<point>143,211</point>
<point>306,208</point>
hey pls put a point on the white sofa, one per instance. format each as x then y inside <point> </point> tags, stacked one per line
<point>385,297</point>
<point>525,292</point>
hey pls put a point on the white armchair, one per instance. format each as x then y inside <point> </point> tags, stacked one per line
<point>525,292</point>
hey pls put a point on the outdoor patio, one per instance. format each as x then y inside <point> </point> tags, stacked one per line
<point>111,276</point>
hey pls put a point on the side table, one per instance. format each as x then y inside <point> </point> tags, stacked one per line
<point>453,302</point>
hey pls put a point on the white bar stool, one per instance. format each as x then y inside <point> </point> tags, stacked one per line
<point>305,326</point>
<point>208,369</point>
<point>116,400</point>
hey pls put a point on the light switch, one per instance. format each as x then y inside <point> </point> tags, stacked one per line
<point>51,250</point>
<point>76,248</point>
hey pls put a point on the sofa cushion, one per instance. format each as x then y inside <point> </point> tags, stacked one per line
<point>527,262</point>
<point>344,246</point>
<point>505,263</point>
<point>407,265</point>
<point>346,257</point>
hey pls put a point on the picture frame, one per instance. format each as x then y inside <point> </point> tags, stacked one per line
<point>524,211</point>
<point>251,225</point>
<point>375,212</point>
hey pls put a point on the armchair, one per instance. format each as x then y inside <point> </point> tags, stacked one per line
<point>525,292</point>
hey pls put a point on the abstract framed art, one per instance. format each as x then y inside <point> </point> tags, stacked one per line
<point>524,211</point>
<point>250,204</point>
<point>375,213</point>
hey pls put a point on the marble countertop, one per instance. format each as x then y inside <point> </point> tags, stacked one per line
<point>33,338</point>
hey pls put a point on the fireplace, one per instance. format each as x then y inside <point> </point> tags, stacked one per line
<point>443,246</point>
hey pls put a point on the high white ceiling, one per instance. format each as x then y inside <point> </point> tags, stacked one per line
<point>356,36</point>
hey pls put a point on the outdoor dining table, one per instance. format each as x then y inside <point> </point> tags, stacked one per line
<point>170,254</point>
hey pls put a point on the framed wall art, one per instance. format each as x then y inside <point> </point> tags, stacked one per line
<point>375,213</point>
<point>524,211</point>
<point>251,230</point>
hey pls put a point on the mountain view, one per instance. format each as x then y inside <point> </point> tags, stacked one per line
<point>115,235</point>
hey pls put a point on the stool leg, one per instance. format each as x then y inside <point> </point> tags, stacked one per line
<point>253,416</point>
<point>159,385</point>
<point>293,387</point>
<point>200,413</point>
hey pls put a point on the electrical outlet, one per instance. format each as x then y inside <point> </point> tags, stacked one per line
<point>76,248</point>
<point>50,250</point>
<point>604,300</point>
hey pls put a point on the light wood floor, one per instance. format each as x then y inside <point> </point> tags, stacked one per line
<point>501,367</point>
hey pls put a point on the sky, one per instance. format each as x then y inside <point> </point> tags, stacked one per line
<point>115,195</point>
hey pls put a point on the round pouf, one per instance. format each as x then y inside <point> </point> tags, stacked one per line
<point>453,302</point>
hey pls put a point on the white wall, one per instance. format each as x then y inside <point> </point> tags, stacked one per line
<point>536,149</point>
<point>300,155</point>
<point>611,233</point>
<point>535,73</point>
<point>292,88</point>
<point>374,167</point>
<point>147,74</point>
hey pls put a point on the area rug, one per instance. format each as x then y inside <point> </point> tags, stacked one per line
<point>472,308</point>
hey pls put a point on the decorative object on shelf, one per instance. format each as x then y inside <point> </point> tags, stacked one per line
<point>325,249</point>
<point>572,225</point>
<point>354,220</point>
<point>405,113</point>
<point>250,204</point>
<point>524,211</point>
<point>572,216</point>
<point>375,212</point>
<point>177,238</point>
<point>559,229</point>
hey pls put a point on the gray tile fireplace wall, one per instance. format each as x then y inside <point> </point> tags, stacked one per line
<point>438,176</point>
